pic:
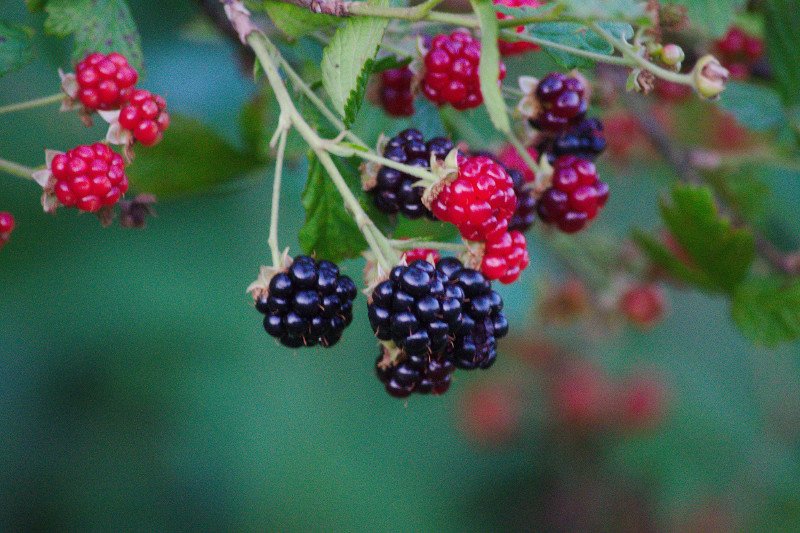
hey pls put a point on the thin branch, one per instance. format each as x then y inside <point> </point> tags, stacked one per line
<point>31,104</point>
<point>15,169</point>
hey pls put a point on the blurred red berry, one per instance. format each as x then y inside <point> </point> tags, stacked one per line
<point>395,92</point>
<point>510,158</point>
<point>518,47</point>
<point>7,225</point>
<point>643,305</point>
<point>671,91</point>
<point>581,396</point>
<point>642,402</point>
<point>491,413</point>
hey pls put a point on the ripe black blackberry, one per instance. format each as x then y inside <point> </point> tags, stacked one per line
<point>586,140</point>
<point>415,309</point>
<point>394,191</point>
<point>482,322</point>
<point>418,374</point>
<point>310,303</point>
<point>525,213</point>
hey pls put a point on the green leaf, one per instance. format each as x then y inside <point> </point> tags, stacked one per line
<point>630,10</point>
<point>97,26</point>
<point>712,16</point>
<point>15,46</point>
<point>754,106</point>
<point>767,310</point>
<point>329,230</point>
<point>745,189</point>
<point>720,252</point>
<point>662,257</point>
<point>782,36</point>
<point>295,21</point>
<point>191,158</point>
<point>578,36</point>
<point>388,63</point>
<point>489,67</point>
<point>347,59</point>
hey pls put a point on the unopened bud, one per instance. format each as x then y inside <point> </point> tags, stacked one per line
<point>672,55</point>
<point>709,77</point>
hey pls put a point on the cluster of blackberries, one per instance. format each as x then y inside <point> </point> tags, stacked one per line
<point>438,317</point>
<point>585,140</point>
<point>394,191</point>
<point>310,303</point>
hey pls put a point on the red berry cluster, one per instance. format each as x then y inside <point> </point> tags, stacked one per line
<point>739,52</point>
<point>89,177</point>
<point>396,96</point>
<point>145,116</point>
<point>576,196</point>
<point>7,224</point>
<point>505,257</point>
<point>451,71</point>
<point>518,47</point>
<point>105,81</point>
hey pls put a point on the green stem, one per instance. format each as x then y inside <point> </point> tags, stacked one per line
<point>15,169</point>
<point>276,199</point>
<point>31,104</point>
<point>347,151</point>
<point>410,244</point>
<point>629,53</point>
<point>523,152</point>
<point>269,57</point>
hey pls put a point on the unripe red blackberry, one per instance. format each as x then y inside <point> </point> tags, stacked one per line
<point>7,225</point>
<point>145,116</point>
<point>89,177</point>
<point>562,102</point>
<point>105,81</point>
<point>585,140</point>
<point>643,305</point>
<point>395,92</point>
<point>394,191</point>
<point>310,303</point>
<point>518,47</point>
<point>505,257</point>
<point>421,254</point>
<point>480,201</point>
<point>576,196</point>
<point>451,71</point>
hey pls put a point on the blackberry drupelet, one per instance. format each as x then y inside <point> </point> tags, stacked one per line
<point>525,213</point>
<point>421,375</point>
<point>310,303</point>
<point>586,140</point>
<point>562,102</point>
<point>394,191</point>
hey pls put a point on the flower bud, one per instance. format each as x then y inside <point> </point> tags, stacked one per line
<point>709,77</point>
<point>672,55</point>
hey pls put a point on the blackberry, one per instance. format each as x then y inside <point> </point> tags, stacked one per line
<point>586,140</point>
<point>415,309</point>
<point>575,198</point>
<point>396,95</point>
<point>423,375</point>
<point>394,191</point>
<point>310,303</point>
<point>562,102</point>
<point>525,213</point>
<point>482,323</point>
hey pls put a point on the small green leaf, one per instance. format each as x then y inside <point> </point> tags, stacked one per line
<point>15,46</point>
<point>191,158</point>
<point>388,63</point>
<point>712,16</point>
<point>745,189</point>
<point>782,36</point>
<point>295,21</point>
<point>347,59</point>
<point>97,26</point>
<point>722,253</point>
<point>755,106</point>
<point>578,36</point>
<point>662,257</point>
<point>329,230</point>
<point>634,11</point>
<point>489,67</point>
<point>767,310</point>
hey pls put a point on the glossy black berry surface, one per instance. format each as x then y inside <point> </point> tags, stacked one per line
<point>586,140</point>
<point>562,102</point>
<point>525,214</point>
<point>394,191</point>
<point>310,304</point>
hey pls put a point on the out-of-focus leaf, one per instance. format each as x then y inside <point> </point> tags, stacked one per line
<point>15,46</point>
<point>191,158</point>
<point>388,63</point>
<point>712,16</point>
<point>745,190</point>
<point>97,26</point>
<point>489,67</point>
<point>767,310</point>
<point>665,259</point>
<point>719,251</point>
<point>756,107</point>
<point>294,21</point>
<point>347,60</point>
<point>782,36</point>
<point>630,10</point>
<point>578,36</point>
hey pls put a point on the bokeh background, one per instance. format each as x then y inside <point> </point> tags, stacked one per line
<point>138,390</point>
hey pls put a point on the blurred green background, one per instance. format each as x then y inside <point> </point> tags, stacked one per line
<point>138,390</point>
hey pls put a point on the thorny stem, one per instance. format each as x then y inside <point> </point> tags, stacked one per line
<point>269,57</point>
<point>347,151</point>
<point>32,104</point>
<point>276,197</point>
<point>15,169</point>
